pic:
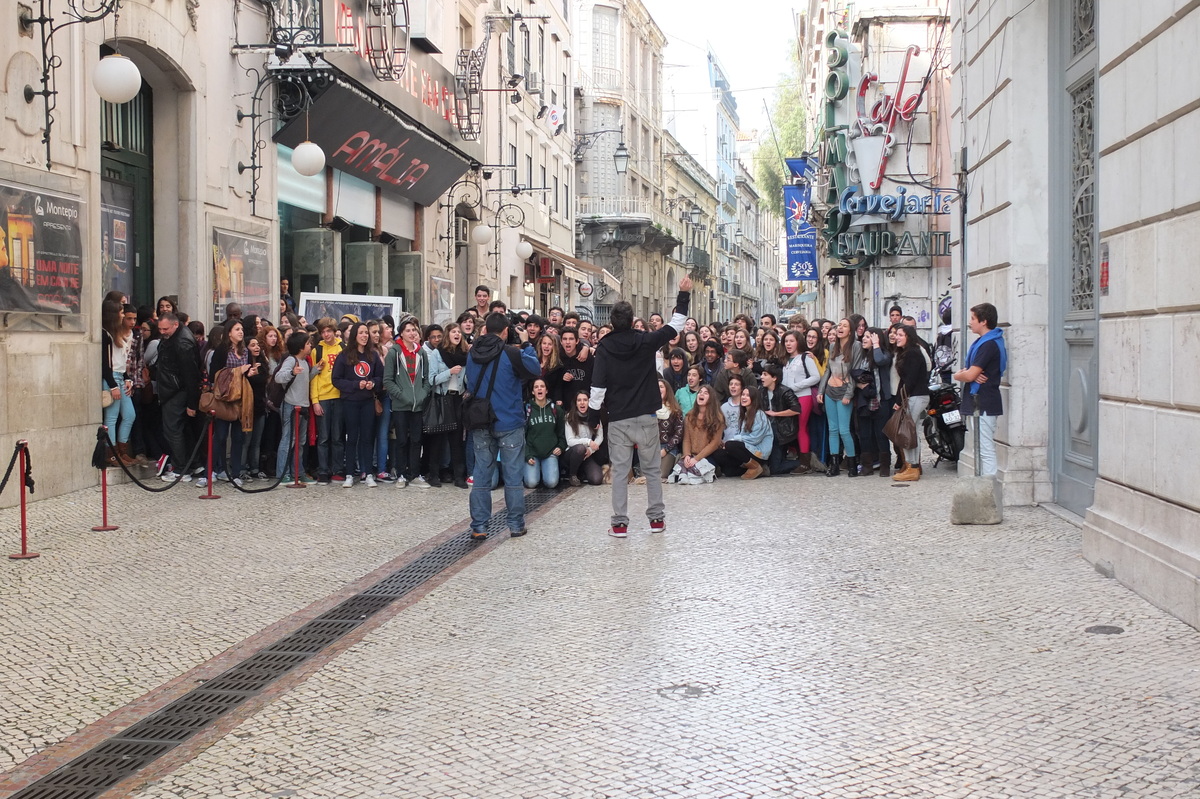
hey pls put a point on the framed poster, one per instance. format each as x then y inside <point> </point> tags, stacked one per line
<point>441,300</point>
<point>314,305</point>
<point>116,237</point>
<point>41,251</point>
<point>242,274</point>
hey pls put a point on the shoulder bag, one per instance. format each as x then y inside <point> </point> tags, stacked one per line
<point>478,413</point>
<point>900,429</point>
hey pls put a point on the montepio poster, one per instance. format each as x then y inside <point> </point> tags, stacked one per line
<point>41,251</point>
<point>242,274</point>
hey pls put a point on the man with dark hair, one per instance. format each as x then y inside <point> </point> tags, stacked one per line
<point>178,369</point>
<point>496,370</point>
<point>577,366</point>
<point>555,315</point>
<point>534,327</point>
<point>767,320</point>
<point>656,321</point>
<point>571,319</point>
<point>625,381</point>
<point>737,362</point>
<point>483,295</point>
<point>987,361</point>
<point>895,314</point>
<point>233,311</point>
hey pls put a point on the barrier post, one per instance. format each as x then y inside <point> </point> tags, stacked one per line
<point>296,447</point>
<point>208,471</point>
<point>104,526</point>
<point>24,554</point>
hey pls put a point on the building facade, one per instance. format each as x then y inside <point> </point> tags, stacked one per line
<point>1074,119</point>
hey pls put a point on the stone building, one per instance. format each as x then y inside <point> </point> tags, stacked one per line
<point>1074,120</point>
<point>689,196</point>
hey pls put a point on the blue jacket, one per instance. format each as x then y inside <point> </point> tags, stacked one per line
<point>506,396</point>
<point>761,437</point>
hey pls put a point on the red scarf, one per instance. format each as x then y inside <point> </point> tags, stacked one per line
<point>410,361</point>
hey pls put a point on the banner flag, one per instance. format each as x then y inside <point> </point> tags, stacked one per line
<point>801,235</point>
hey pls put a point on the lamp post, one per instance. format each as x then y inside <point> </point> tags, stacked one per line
<point>585,140</point>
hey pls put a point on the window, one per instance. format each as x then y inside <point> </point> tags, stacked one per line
<point>554,202</point>
<point>529,170</point>
<point>543,184</point>
<point>526,43</point>
<point>567,199</point>
<point>604,33</point>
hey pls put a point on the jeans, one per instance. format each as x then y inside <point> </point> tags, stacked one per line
<point>175,422</point>
<point>585,467</point>
<point>285,459</point>
<point>227,433</point>
<point>331,438</point>
<point>623,436</point>
<point>818,436</point>
<point>511,446</point>
<point>916,409</point>
<point>870,430</point>
<point>408,443</point>
<point>122,407</point>
<point>383,427</point>
<point>778,462</point>
<point>837,415</point>
<point>987,445</point>
<point>544,468</point>
<point>252,446</point>
<point>360,434</point>
<point>730,457</point>
<point>806,406</point>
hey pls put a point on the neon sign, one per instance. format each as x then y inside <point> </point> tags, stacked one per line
<point>895,206</point>
<point>887,111</point>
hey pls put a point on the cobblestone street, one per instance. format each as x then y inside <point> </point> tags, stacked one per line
<point>794,637</point>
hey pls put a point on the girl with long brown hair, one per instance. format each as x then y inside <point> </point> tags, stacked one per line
<point>703,428</point>
<point>115,345</point>
<point>836,393</point>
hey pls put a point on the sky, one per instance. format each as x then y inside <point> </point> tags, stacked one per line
<point>751,39</point>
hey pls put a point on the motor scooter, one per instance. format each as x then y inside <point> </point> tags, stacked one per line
<point>945,431</point>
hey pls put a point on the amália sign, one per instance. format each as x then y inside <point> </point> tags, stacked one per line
<point>885,242</point>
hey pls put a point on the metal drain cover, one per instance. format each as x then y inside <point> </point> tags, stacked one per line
<point>686,691</point>
<point>1105,629</point>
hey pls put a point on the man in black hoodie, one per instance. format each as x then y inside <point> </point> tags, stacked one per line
<point>626,382</point>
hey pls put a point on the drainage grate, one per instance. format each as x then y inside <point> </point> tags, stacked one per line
<point>120,756</point>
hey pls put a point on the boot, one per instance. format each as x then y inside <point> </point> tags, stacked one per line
<point>123,454</point>
<point>909,475</point>
<point>868,463</point>
<point>899,461</point>
<point>885,466</point>
<point>833,469</point>
<point>111,453</point>
<point>805,464</point>
<point>851,466</point>
<point>753,469</point>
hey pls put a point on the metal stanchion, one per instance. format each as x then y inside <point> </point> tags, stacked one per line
<point>24,554</point>
<point>296,447</point>
<point>104,526</point>
<point>208,471</point>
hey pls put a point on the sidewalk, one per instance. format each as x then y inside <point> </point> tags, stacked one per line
<point>793,637</point>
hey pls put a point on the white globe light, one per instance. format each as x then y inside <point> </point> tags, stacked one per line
<point>117,79</point>
<point>524,249</point>
<point>481,234</point>
<point>308,158</point>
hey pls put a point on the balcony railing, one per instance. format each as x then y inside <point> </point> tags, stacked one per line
<point>698,259</point>
<point>630,206</point>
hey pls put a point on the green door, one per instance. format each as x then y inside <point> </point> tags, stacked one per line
<point>127,206</point>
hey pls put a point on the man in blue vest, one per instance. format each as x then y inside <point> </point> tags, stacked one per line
<point>987,361</point>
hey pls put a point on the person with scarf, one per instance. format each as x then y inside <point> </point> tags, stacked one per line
<point>987,361</point>
<point>407,379</point>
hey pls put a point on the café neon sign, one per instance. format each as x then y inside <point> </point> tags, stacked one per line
<point>895,206</point>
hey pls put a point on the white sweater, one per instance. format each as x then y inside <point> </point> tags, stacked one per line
<point>793,374</point>
<point>582,435</point>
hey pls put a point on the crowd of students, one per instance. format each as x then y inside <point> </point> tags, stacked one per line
<point>379,401</point>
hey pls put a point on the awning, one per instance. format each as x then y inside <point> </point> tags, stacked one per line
<point>594,272</point>
<point>369,142</point>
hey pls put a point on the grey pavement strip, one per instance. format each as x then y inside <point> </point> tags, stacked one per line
<point>792,637</point>
<point>102,619</point>
<point>137,746</point>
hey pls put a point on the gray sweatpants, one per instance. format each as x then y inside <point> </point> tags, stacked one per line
<point>623,436</point>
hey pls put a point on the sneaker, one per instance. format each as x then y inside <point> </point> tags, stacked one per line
<point>202,482</point>
<point>220,476</point>
<point>419,482</point>
<point>658,525</point>
<point>322,480</point>
<point>384,477</point>
<point>369,481</point>
<point>517,533</point>
<point>161,465</point>
<point>170,476</point>
<point>574,481</point>
<point>470,481</point>
<point>401,482</point>
<point>337,478</point>
<point>261,475</point>
<point>237,481</point>
<point>348,482</point>
<point>618,531</point>
<point>308,480</point>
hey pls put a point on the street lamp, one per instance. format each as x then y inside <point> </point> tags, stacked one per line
<point>696,214</point>
<point>621,158</point>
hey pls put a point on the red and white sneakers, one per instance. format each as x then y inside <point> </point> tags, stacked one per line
<point>658,525</point>
<point>618,531</point>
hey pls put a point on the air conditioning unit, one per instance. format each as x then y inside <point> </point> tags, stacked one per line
<point>534,84</point>
<point>462,231</point>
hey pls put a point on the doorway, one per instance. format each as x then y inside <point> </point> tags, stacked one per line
<point>1074,322</point>
<point>127,196</point>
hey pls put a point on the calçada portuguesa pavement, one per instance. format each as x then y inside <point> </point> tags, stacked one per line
<point>786,637</point>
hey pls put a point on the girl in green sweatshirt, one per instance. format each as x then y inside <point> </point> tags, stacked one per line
<point>544,438</point>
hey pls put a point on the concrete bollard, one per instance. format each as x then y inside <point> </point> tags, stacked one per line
<point>978,499</point>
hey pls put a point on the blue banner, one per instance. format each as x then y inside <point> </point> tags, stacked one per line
<point>801,235</point>
<point>800,167</point>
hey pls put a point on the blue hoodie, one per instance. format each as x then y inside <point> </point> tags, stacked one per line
<point>506,394</point>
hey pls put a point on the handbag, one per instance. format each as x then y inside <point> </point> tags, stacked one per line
<point>478,413</point>
<point>223,409</point>
<point>276,391</point>
<point>439,416</point>
<point>106,397</point>
<point>900,429</point>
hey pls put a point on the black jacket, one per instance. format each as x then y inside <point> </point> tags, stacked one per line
<point>625,378</point>
<point>179,367</point>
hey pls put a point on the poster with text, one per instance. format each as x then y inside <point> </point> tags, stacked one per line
<point>117,238</point>
<point>441,300</point>
<point>801,234</point>
<point>41,251</point>
<point>242,274</point>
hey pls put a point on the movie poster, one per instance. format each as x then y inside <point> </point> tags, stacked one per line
<point>116,237</point>
<point>441,300</point>
<point>242,274</point>
<point>41,251</point>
